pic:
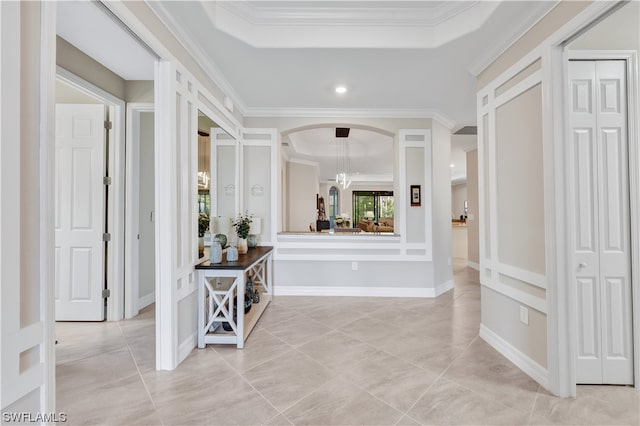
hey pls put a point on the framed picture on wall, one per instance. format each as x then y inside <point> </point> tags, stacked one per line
<point>415,195</point>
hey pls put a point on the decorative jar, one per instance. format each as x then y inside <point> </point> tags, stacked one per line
<point>232,253</point>
<point>215,252</point>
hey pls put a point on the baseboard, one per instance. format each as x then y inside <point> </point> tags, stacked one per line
<point>186,347</point>
<point>520,360</point>
<point>362,291</point>
<point>443,288</point>
<point>473,265</point>
<point>145,301</point>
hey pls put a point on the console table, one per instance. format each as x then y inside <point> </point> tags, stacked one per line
<point>221,291</point>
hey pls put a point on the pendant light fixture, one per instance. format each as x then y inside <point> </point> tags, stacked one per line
<point>343,172</point>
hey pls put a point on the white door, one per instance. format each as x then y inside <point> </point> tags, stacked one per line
<point>601,234</point>
<point>79,215</point>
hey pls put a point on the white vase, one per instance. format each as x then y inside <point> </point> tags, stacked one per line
<point>215,252</point>
<point>243,248</point>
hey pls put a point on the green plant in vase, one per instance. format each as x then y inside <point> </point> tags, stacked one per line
<point>243,225</point>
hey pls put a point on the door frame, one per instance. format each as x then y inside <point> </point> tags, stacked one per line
<point>630,59</point>
<point>114,266</point>
<point>566,306</point>
<point>132,220</point>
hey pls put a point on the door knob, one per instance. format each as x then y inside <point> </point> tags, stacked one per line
<point>582,265</point>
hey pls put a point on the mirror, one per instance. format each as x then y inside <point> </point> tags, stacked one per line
<point>325,174</point>
<point>217,180</point>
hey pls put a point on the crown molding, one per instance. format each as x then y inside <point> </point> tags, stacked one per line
<point>353,113</point>
<point>498,49</point>
<point>349,27</point>
<point>431,16</point>
<point>196,52</point>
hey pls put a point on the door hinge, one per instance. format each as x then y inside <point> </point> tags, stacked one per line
<point>106,180</point>
<point>106,237</point>
<point>106,293</point>
<point>108,125</point>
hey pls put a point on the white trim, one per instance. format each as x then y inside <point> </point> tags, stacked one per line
<point>353,113</point>
<point>132,190</point>
<point>535,302</point>
<point>518,89</point>
<point>166,302</point>
<point>495,52</point>
<point>444,287</point>
<point>145,301</point>
<point>47,236</point>
<point>473,265</point>
<point>186,346</point>
<point>630,58</point>
<point>116,204</point>
<point>523,275</point>
<point>561,356</point>
<point>199,56</point>
<point>363,291</point>
<point>517,357</point>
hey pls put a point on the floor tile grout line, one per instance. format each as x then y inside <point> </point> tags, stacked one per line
<point>456,382</point>
<point>535,401</point>
<point>440,376</point>
<point>340,378</point>
<point>89,356</point>
<point>144,383</point>
<point>251,385</point>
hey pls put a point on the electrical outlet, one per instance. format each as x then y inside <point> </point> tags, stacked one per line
<point>354,266</point>
<point>524,315</point>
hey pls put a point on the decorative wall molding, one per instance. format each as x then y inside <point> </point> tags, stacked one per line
<point>513,354</point>
<point>494,52</point>
<point>535,302</point>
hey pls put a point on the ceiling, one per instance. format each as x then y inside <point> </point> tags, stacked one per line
<point>415,58</point>
<point>369,154</point>
<point>285,58</point>
<point>91,30</point>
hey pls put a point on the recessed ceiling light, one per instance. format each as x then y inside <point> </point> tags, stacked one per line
<point>451,165</point>
<point>341,89</point>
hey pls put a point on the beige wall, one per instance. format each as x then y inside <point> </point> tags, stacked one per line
<point>75,61</point>
<point>138,90</point>
<point>302,187</point>
<point>520,182</point>
<point>473,237</point>
<point>558,16</point>
<point>441,206</point>
<point>501,315</point>
<point>458,197</point>
<point>147,272</point>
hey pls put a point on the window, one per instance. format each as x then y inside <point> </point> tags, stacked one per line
<point>334,205</point>
<point>372,205</point>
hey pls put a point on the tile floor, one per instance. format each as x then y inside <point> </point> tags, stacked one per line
<point>323,361</point>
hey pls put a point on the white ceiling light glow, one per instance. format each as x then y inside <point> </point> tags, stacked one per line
<point>341,89</point>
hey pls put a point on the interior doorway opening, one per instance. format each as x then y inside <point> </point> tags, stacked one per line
<point>87,221</point>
